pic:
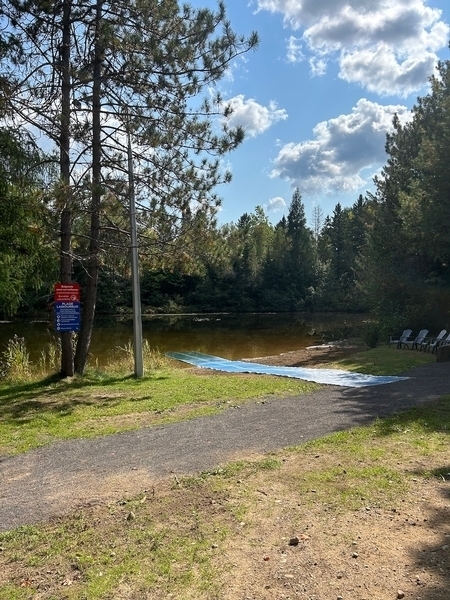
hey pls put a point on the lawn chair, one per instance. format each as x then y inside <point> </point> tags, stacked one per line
<point>440,340</point>
<point>402,340</point>
<point>418,341</point>
<point>434,343</point>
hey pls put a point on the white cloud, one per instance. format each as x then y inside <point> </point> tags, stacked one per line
<point>387,46</point>
<point>387,74</point>
<point>342,148</point>
<point>294,50</point>
<point>318,66</point>
<point>276,204</point>
<point>253,117</point>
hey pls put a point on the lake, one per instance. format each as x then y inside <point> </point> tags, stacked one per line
<point>231,336</point>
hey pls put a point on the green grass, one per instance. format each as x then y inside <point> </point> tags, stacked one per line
<point>385,361</point>
<point>36,413</point>
<point>169,554</point>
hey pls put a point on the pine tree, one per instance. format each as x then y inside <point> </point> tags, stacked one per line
<point>26,250</point>
<point>301,252</point>
<point>89,75</point>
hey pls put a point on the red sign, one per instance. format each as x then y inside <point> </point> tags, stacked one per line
<point>67,292</point>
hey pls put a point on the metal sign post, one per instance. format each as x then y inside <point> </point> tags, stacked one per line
<point>137,317</point>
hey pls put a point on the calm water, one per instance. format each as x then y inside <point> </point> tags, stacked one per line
<point>229,336</point>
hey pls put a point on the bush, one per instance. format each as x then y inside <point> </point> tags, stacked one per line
<point>372,333</point>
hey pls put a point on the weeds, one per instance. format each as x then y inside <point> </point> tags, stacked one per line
<point>123,358</point>
<point>15,361</point>
<point>50,358</point>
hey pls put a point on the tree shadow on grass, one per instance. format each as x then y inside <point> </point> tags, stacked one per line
<point>20,402</point>
<point>432,417</point>
<point>425,384</point>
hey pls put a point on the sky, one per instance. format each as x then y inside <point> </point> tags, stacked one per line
<point>317,97</point>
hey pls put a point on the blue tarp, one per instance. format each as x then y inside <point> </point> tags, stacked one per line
<point>329,376</point>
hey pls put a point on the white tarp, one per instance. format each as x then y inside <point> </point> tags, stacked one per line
<point>328,376</point>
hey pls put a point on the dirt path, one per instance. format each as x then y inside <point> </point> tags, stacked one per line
<point>53,480</point>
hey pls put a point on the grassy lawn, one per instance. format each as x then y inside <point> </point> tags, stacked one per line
<point>37,412</point>
<point>195,538</point>
<point>385,361</point>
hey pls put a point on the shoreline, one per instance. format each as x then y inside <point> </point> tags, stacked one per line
<point>312,356</point>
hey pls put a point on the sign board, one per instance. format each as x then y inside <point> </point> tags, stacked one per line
<point>67,306</point>
<point>67,292</point>
<point>67,316</point>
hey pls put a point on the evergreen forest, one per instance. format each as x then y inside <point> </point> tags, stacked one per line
<point>64,214</point>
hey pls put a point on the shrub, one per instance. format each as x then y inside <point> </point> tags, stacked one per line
<point>371,333</point>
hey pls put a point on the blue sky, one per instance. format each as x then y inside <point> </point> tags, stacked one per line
<point>318,96</point>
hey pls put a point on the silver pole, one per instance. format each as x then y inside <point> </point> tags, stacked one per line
<point>137,316</point>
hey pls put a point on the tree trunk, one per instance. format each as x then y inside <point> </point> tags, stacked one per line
<point>67,364</point>
<point>90,296</point>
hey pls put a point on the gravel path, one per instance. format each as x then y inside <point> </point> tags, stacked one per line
<point>53,480</point>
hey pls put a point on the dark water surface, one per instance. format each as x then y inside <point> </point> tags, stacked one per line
<point>228,335</point>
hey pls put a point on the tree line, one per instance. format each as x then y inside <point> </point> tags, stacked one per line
<point>96,79</point>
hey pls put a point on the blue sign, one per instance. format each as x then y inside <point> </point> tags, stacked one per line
<point>67,316</point>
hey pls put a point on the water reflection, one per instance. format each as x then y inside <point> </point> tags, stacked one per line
<point>228,335</point>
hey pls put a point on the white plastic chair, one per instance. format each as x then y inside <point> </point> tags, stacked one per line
<point>440,340</point>
<point>418,341</point>
<point>402,340</point>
